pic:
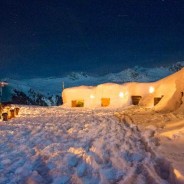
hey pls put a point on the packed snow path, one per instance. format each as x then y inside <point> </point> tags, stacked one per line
<point>57,145</point>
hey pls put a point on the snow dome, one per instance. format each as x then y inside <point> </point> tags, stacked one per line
<point>165,94</point>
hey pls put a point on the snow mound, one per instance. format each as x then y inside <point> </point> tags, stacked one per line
<point>169,89</point>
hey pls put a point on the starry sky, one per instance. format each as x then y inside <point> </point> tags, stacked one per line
<point>54,37</point>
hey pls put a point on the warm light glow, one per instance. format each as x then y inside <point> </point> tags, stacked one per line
<point>121,94</point>
<point>178,174</point>
<point>151,89</point>
<point>2,84</point>
<point>92,96</point>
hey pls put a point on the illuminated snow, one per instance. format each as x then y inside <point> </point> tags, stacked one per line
<point>170,89</point>
<point>79,145</point>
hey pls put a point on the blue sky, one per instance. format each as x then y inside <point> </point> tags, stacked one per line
<point>52,38</point>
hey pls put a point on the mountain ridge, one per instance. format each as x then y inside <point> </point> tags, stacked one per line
<point>47,91</point>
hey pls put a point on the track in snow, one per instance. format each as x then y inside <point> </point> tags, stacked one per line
<point>56,145</point>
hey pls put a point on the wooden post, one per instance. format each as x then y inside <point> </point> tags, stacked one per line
<point>63,85</point>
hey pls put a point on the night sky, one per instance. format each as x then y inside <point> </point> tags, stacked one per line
<point>53,37</point>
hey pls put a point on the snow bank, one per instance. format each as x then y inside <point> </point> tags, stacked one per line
<point>172,145</point>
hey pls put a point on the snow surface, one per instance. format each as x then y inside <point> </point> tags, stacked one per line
<point>79,145</point>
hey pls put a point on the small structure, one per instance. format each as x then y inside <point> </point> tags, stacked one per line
<point>5,116</point>
<point>17,111</point>
<point>12,113</point>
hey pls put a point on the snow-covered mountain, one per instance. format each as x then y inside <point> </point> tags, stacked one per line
<point>47,91</point>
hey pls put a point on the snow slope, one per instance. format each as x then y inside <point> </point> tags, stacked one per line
<point>164,133</point>
<point>63,145</point>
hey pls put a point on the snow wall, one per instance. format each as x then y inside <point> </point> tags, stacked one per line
<point>169,89</point>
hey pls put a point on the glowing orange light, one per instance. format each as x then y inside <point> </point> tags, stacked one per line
<point>92,96</point>
<point>121,94</point>
<point>151,89</point>
<point>2,84</point>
